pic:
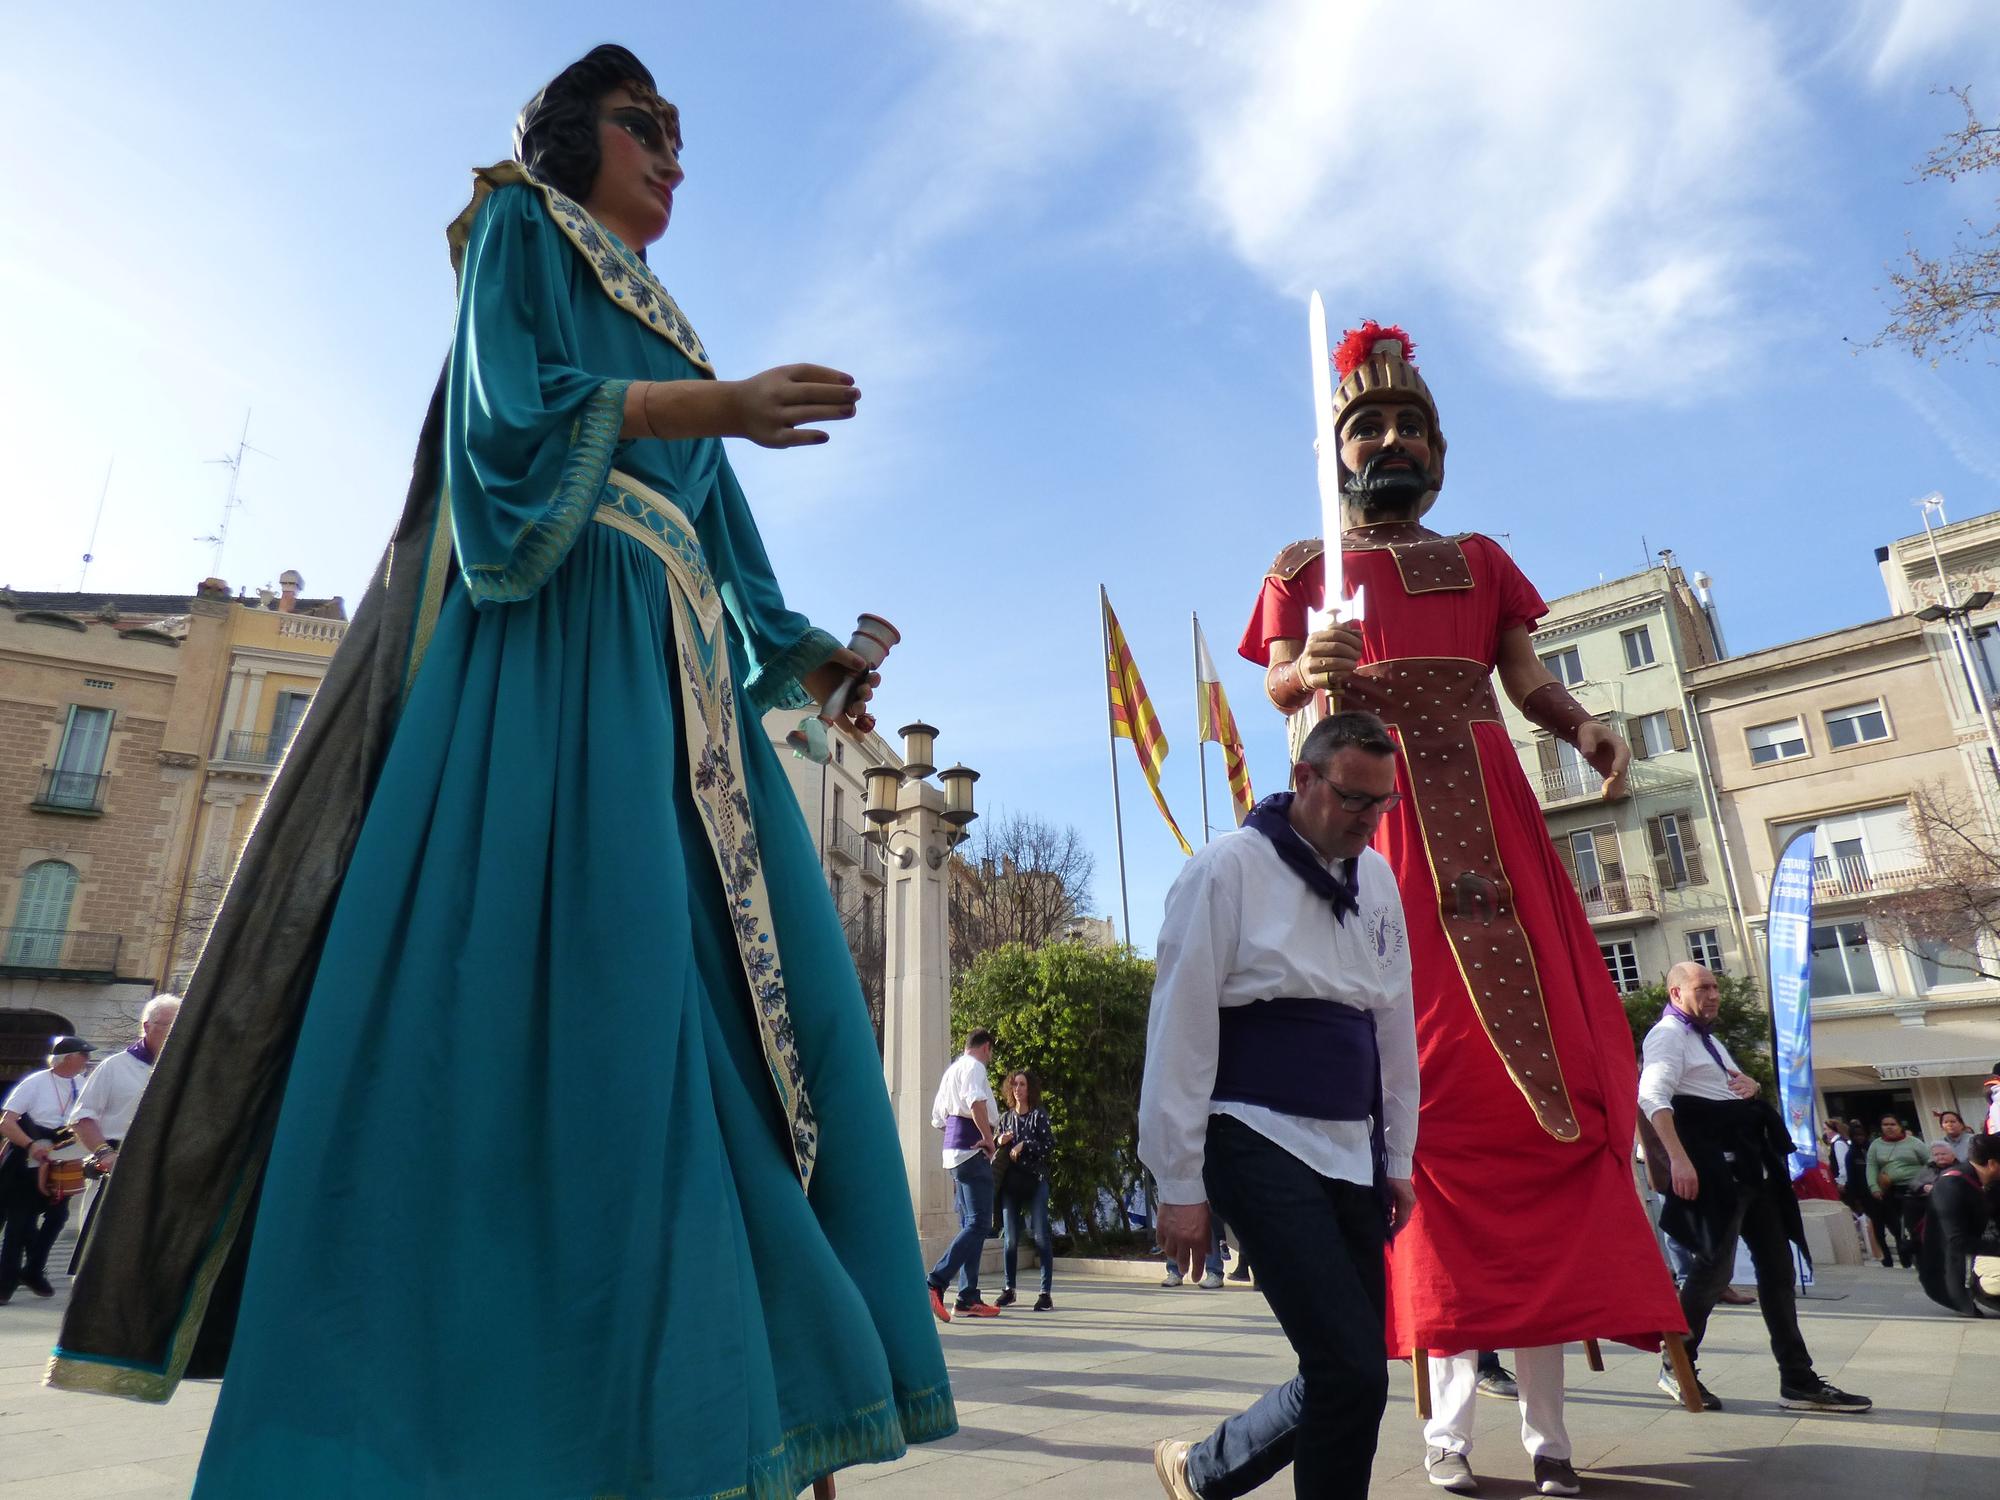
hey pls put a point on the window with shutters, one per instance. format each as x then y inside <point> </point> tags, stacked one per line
<point>1621,961</point>
<point>41,914</point>
<point>1784,740</point>
<point>1842,963</point>
<point>1852,851</point>
<point>1566,666</point>
<point>1705,948</point>
<point>1857,724</point>
<point>1638,643</point>
<point>1676,852</point>
<point>1650,735</point>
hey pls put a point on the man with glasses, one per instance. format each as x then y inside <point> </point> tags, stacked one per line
<point>1527,1233</point>
<point>1280,1092</point>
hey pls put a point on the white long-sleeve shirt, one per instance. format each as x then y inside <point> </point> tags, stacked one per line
<point>110,1095</point>
<point>1673,1061</point>
<point>964,1084</point>
<point>1241,927</point>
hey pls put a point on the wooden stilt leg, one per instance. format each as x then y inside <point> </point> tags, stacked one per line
<point>1592,1355</point>
<point>823,1488</point>
<point>1683,1368</point>
<point>1420,1370</point>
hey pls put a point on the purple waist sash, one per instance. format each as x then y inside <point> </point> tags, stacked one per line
<point>960,1133</point>
<point>1313,1058</point>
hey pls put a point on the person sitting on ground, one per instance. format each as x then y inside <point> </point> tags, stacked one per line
<point>1029,1145</point>
<point>1959,1226</point>
<point>1895,1162</point>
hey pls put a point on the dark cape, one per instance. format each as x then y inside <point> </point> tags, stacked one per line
<point>156,1292</point>
<point>1754,1133</point>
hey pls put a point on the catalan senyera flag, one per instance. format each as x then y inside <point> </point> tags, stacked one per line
<point>1217,723</point>
<point>1132,715</point>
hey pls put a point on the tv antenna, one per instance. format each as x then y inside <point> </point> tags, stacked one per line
<point>91,547</point>
<point>234,463</point>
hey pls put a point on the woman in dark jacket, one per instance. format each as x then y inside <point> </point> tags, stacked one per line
<point>1028,1144</point>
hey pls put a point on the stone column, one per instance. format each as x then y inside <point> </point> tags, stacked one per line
<point>916,1020</point>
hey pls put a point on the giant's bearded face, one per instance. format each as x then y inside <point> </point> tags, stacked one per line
<point>1387,453</point>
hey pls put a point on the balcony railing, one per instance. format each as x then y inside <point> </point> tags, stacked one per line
<point>847,845</point>
<point>1843,877</point>
<point>70,791</point>
<point>1568,783</point>
<point>1630,896</point>
<point>250,749</point>
<point>53,953</point>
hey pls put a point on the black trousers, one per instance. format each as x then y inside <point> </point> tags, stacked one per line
<point>31,1225</point>
<point>1317,1243</point>
<point>1756,1221</point>
<point>1897,1214</point>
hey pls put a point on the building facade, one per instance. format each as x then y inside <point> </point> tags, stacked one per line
<point>1647,866</point>
<point>113,766</point>
<point>1833,735</point>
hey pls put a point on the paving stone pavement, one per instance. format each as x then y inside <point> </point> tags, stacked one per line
<point>1069,1403</point>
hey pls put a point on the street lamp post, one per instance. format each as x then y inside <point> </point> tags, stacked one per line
<point>930,822</point>
<point>1955,615</point>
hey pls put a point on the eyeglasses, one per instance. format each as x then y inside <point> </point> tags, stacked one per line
<point>643,127</point>
<point>1355,802</point>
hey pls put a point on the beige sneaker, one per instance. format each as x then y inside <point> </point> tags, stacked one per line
<point>1170,1463</point>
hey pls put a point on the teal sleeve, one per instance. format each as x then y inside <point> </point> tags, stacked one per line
<point>782,644</point>
<point>529,434</point>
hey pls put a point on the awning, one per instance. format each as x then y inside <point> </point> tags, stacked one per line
<point>1883,1047</point>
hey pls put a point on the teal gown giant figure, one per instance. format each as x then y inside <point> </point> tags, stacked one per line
<point>585,1181</point>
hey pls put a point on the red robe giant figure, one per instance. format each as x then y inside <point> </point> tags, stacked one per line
<point>1528,1229</point>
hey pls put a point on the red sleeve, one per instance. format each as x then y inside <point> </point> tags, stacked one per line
<point>1520,603</point>
<point>1283,607</point>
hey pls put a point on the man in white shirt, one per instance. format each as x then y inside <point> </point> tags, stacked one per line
<point>1281,1087</point>
<point>103,1112</point>
<point>964,1111</point>
<point>35,1109</point>
<point>1726,1149</point>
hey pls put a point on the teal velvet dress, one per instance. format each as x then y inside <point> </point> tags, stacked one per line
<point>585,1183</point>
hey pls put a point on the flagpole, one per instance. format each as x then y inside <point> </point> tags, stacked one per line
<point>1111,734</point>
<point>1200,741</point>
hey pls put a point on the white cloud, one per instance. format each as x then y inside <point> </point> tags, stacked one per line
<point>1595,184</point>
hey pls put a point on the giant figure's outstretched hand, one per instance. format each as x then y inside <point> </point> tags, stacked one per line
<point>1607,754</point>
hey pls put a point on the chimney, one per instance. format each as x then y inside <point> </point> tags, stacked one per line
<point>289,584</point>
<point>1702,586</point>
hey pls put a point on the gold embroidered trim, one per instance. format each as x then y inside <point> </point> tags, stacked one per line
<point>626,279</point>
<point>715,774</point>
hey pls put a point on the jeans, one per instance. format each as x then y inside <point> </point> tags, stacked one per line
<point>1318,1243</point>
<point>1756,1220</point>
<point>1036,1209</point>
<point>972,1188</point>
<point>31,1224</point>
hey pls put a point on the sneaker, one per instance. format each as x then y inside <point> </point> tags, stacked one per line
<point>938,1309</point>
<point>1499,1383</point>
<point>1212,1282</point>
<point>1045,1303</point>
<point>1241,1273</point>
<point>1817,1395</point>
<point>6,1295</point>
<point>1174,1276</point>
<point>1170,1463</point>
<point>1672,1388</point>
<point>39,1285</point>
<point>1450,1471</point>
<point>976,1310</point>
<point>1005,1299</point>
<point>1556,1476</point>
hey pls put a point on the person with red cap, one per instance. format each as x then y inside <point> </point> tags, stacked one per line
<point>1527,1233</point>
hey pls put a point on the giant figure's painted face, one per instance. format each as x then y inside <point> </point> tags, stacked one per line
<point>1387,453</point>
<point>639,164</point>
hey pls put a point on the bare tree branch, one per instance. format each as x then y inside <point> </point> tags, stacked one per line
<point>1018,881</point>
<point>1940,306</point>
<point>1957,909</point>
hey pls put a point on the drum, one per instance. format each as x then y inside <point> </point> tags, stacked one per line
<point>64,1180</point>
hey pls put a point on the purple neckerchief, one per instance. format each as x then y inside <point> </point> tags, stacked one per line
<point>1272,818</point>
<point>140,1050</point>
<point>1703,1030</point>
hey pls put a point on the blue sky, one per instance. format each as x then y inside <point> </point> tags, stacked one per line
<point>1065,248</point>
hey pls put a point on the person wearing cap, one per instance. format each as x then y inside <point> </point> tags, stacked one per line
<point>1527,1234</point>
<point>29,1219</point>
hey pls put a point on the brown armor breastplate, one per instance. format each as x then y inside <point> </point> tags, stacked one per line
<point>1432,703</point>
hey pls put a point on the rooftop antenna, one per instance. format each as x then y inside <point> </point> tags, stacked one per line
<point>233,463</point>
<point>92,546</point>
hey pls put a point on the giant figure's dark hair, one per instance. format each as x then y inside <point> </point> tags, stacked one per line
<point>556,136</point>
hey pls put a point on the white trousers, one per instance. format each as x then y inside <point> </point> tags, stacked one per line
<point>1455,1389</point>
